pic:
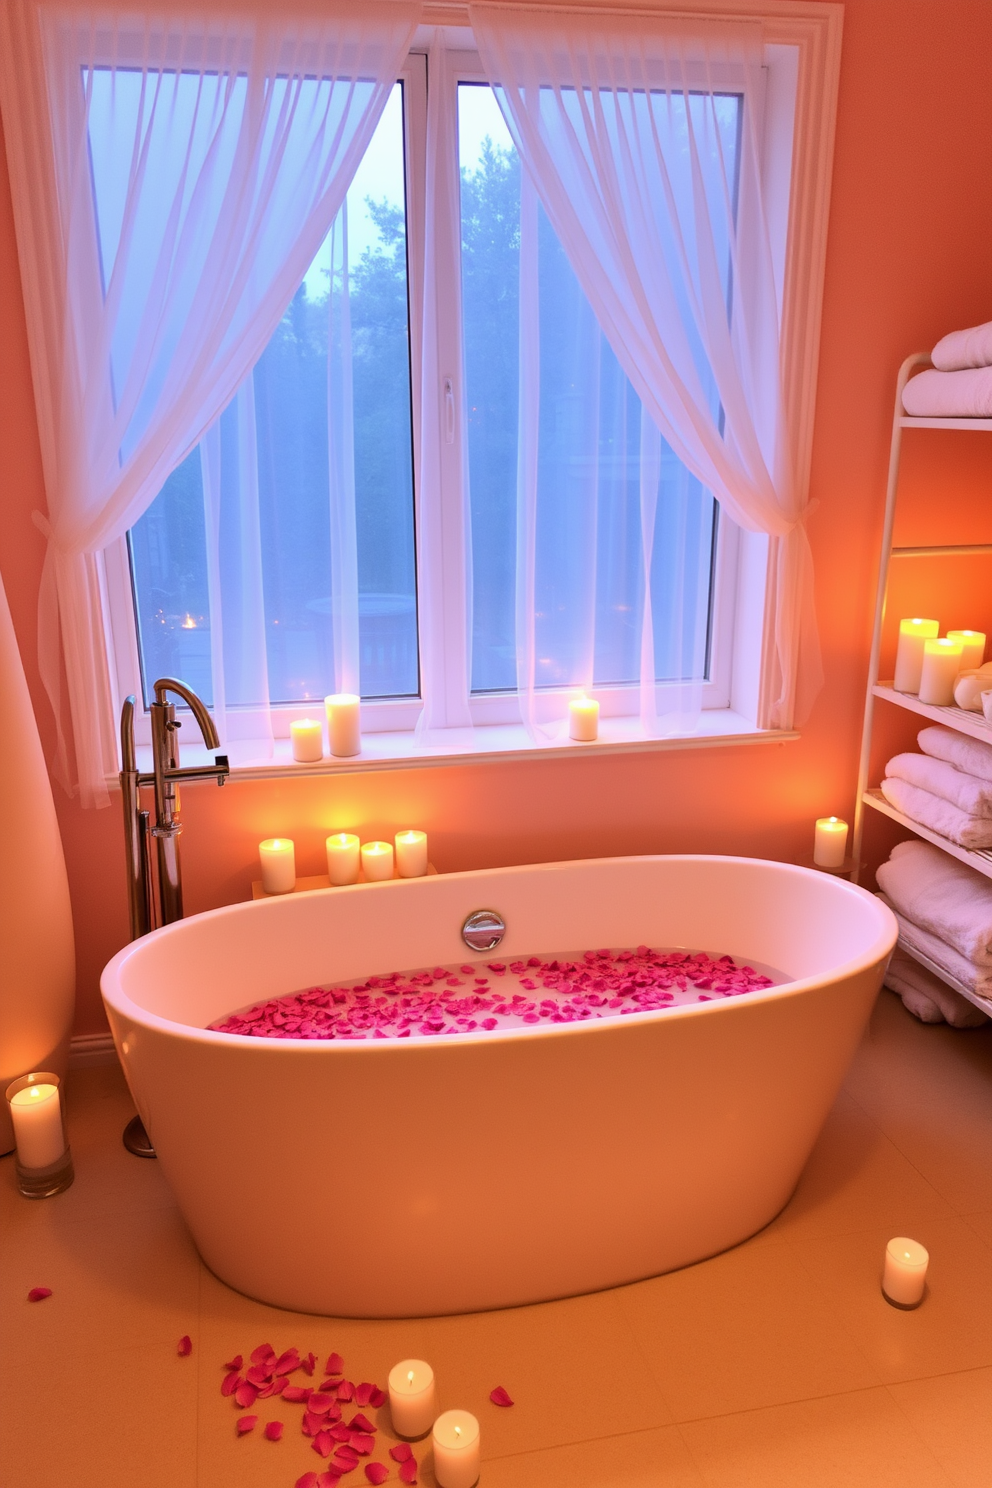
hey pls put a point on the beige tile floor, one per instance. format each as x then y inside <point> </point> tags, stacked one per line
<point>777,1363</point>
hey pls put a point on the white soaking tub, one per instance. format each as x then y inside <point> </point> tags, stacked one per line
<point>429,1175</point>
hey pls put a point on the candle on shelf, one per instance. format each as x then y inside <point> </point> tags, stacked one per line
<point>377,861</point>
<point>36,1113</point>
<point>411,853</point>
<point>909,656</point>
<point>583,719</point>
<point>972,647</point>
<point>830,842</point>
<point>412,1398</point>
<point>941,665</point>
<point>308,740</point>
<point>277,856</point>
<point>344,723</point>
<point>456,1449</point>
<point>343,858</point>
<point>905,1272</point>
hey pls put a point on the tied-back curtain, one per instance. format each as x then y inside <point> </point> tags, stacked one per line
<point>620,123</point>
<point>230,137</point>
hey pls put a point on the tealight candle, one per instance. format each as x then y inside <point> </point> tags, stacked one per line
<point>905,1273</point>
<point>277,856</point>
<point>411,853</point>
<point>412,1397</point>
<point>343,858</point>
<point>583,719</point>
<point>830,842</point>
<point>37,1117</point>
<point>909,656</point>
<point>941,666</point>
<point>308,740</point>
<point>972,647</point>
<point>456,1449</point>
<point>344,723</point>
<point>377,860</point>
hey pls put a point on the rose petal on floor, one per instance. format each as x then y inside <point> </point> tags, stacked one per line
<point>287,1362</point>
<point>363,1445</point>
<point>363,1392</point>
<point>359,1422</point>
<point>244,1424</point>
<point>233,1365</point>
<point>499,1396</point>
<point>328,1480</point>
<point>334,1365</point>
<point>308,1480</point>
<point>38,1294</point>
<point>402,1452</point>
<point>262,1353</point>
<point>378,1397</point>
<point>245,1395</point>
<point>185,1346</point>
<point>322,1443</point>
<point>376,1472</point>
<point>408,1471</point>
<point>273,1431</point>
<point>231,1383</point>
<point>346,1390</point>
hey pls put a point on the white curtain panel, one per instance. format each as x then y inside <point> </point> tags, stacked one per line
<point>621,124</point>
<point>149,295</point>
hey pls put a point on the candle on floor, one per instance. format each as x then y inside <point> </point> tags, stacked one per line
<point>277,856</point>
<point>308,740</point>
<point>830,842</point>
<point>343,857</point>
<point>941,666</point>
<point>456,1449</point>
<point>972,647</point>
<point>411,853</point>
<point>905,1271</point>
<point>377,861</point>
<point>344,723</point>
<point>909,656</point>
<point>36,1113</point>
<point>583,719</point>
<point>412,1397</point>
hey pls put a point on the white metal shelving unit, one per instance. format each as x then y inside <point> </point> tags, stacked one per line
<point>972,724</point>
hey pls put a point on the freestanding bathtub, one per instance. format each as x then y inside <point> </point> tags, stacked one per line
<point>437,1175</point>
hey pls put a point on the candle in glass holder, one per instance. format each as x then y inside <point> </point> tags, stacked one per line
<point>277,856</point>
<point>377,861</point>
<point>412,1397</point>
<point>411,853</point>
<point>343,857</point>
<point>37,1117</point>
<point>583,719</point>
<point>308,740</point>
<point>456,1449</point>
<point>972,647</point>
<point>344,723</point>
<point>905,1273</point>
<point>941,666</point>
<point>830,842</point>
<point>909,656</point>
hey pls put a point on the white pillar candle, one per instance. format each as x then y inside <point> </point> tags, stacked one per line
<point>905,1271</point>
<point>377,860</point>
<point>412,1397</point>
<point>308,740</point>
<point>972,647</point>
<point>456,1449</point>
<point>941,666</point>
<point>830,842</point>
<point>411,853</point>
<point>583,719</point>
<point>909,656</point>
<point>344,723</point>
<point>343,858</point>
<point>37,1117</point>
<point>277,856</point>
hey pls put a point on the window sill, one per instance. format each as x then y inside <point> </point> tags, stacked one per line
<point>486,744</point>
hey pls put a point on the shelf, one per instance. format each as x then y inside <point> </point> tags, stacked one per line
<point>906,422</point>
<point>959,719</point>
<point>945,976</point>
<point>314,882</point>
<point>980,860</point>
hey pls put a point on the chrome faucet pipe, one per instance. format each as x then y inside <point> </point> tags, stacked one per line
<point>167,774</point>
<point>139,880</point>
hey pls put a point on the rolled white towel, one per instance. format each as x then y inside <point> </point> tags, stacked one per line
<point>961,349</point>
<point>927,997</point>
<point>943,896</point>
<point>937,814</point>
<point>941,954</point>
<point>964,753</point>
<point>934,394</point>
<point>968,793</point>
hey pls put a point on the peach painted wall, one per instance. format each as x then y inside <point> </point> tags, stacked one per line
<point>909,258</point>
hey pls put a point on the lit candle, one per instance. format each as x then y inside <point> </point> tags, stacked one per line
<point>941,665</point>
<point>972,647</point>
<point>37,1117</point>
<point>343,858</point>
<point>308,740</point>
<point>277,856</point>
<point>411,853</point>
<point>344,723</point>
<point>377,860</point>
<point>412,1398</point>
<point>909,656</point>
<point>905,1271</point>
<point>456,1449</point>
<point>583,719</point>
<point>830,842</point>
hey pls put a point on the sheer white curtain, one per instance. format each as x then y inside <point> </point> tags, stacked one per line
<point>235,133</point>
<point>621,124</point>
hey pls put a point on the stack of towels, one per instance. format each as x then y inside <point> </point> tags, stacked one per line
<point>947,788</point>
<point>960,383</point>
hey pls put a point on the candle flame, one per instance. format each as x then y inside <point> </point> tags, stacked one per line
<point>409,1378</point>
<point>35,1092</point>
<point>458,1431</point>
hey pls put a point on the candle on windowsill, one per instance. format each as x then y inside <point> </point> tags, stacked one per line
<point>583,719</point>
<point>411,853</point>
<point>308,740</point>
<point>412,1397</point>
<point>830,842</point>
<point>905,1273</point>
<point>941,667</point>
<point>972,647</point>
<point>456,1449</point>
<point>344,724</point>
<point>277,856</point>
<point>377,861</point>
<point>343,857</point>
<point>909,656</point>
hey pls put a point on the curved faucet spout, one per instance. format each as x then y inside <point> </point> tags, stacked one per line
<point>166,685</point>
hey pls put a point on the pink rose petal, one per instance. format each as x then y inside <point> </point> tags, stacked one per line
<point>359,1422</point>
<point>376,1472</point>
<point>307,1364</point>
<point>308,1480</point>
<point>233,1365</point>
<point>245,1395</point>
<point>378,1397</point>
<point>402,1452</point>
<point>342,1464</point>
<point>38,1294</point>
<point>185,1346</point>
<point>262,1353</point>
<point>259,1374</point>
<point>334,1365</point>
<point>287,1362</point>
<point>363,1392</point>
<point>319,1403</point>
<point>408,1471</point>
<point>499,1396</point>
<point>363,1445</point>
<point>311,1425</point>
<point>328,1479</point>
<point>244,1424</point>
<point>231,1383</point>
<point>346,1390</point>
<point>296,1393</point>
<point>322,1443</point>
<point>273,1431</point>
<point>341,1433</point>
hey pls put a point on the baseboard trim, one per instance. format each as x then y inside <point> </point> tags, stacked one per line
<point>91,1050</point>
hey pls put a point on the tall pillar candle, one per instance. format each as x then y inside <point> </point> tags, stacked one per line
<point>377,861</point>
<point>39,1136</point>
<point>411,853</point>
<point>909,656</point>
<point>343,857</point>
<point>583,719</point>
<point>830,842</point>
<point>412,1397</point>
<point>941,667</point>
<point>277,856</point>
<point>905,1273</point>
<point>456,1449</point>
<point>972,647</point>
<point>308,740</point>
<point>344,724</point>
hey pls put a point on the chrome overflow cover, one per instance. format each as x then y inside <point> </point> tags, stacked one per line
<point>483,930</point>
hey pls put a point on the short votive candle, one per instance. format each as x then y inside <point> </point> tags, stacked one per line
<point>830,842</point>
<point>941,667</point>
<point>343,857</point>
<point>456,1449</point>
<point>43,1161</point>
<point>412,1397</point>
<point>344,724</point>
<point>277,856</point>
<point>972,647</point>
<point>411,853</point>
<point>909,656</point>
<point>377,861</point>
<point>583,719</point>
<point>307,735</point>
<point>905,1273</point>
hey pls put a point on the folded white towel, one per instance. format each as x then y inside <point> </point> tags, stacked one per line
<point>934,394</point>
<point>960,349</point>
<point>943,896</point>
<point>964,753</point>
<point>927,997</point>
<point>937,814</point>
<point>942,955</point>
<point>967,792</point>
